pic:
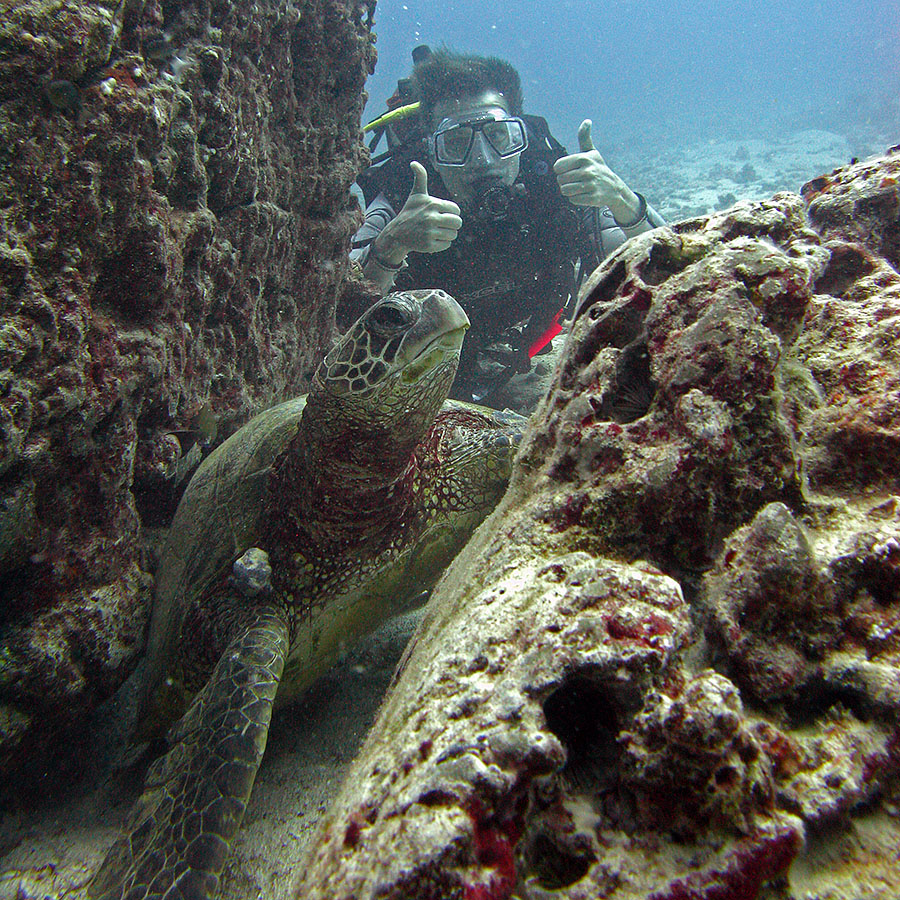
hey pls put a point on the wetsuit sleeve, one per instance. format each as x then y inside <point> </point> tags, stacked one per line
<point>378,213</point>
<point>607,234</point>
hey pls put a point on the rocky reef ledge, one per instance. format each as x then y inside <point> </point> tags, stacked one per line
<point>174,226</point>
<point>668,666</point>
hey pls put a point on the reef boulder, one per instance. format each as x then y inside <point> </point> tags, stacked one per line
<point>668,666</point>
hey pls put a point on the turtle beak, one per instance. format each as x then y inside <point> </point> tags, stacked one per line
<point>441,316</point>
<point>449,315</point>
<point>450,340</point>
<point>450,325</point>
<point>440,349</point>
<point>443,324</point>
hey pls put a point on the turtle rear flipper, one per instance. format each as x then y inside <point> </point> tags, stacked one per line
<point>176,839</point>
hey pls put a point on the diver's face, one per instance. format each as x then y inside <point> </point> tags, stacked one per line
<point>483,166</point>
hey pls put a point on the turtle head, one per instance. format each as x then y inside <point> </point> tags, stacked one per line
<point>399,358</point>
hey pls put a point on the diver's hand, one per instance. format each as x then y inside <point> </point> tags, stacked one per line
<point>425,224</point>
<point>586,180</point>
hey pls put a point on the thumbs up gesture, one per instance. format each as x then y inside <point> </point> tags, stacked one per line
<point>425,224</point>
<point>586,180</point>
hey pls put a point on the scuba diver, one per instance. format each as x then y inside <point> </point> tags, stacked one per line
<point>497,214</point>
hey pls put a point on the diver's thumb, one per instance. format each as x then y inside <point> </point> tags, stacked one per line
<point>420,179</point>
<point>584,136</point>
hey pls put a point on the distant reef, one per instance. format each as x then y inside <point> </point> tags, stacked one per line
<point>668,666</point>
<point>174,226</point>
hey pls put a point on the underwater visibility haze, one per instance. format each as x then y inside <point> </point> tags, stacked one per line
<point>666,665</point>
<point>662,79</point>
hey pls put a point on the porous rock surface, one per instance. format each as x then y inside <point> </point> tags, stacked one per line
<point>668,666</point>
<point>174,220</point>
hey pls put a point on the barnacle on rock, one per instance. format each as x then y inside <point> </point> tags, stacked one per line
<point>251,573</point>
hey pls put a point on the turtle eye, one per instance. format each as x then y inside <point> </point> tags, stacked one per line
<point>390,318</point>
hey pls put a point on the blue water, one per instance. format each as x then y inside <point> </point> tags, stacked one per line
<point>672,70</point>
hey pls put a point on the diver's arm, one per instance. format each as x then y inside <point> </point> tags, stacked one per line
<point>382,276</point>
<point>641,219</point>
<point>607,234</point>
<point>376,267</point>
<point>425,224</point>
<point>381,273</point>
<point>616,211</point>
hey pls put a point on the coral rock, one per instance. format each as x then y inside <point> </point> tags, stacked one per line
<point>175,224</point>
<point>667,666</point>
<point>860,204</point>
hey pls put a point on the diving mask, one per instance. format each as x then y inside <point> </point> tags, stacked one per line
<point>453,140</point>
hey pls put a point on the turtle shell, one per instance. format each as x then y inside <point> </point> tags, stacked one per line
<point>217,519</point>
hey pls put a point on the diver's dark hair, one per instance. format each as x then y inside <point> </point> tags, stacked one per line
<point>444,74</point>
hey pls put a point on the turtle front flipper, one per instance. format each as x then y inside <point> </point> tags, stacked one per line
<point>177,837</point>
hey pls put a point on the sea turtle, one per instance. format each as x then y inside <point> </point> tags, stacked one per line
<point>360,493</point>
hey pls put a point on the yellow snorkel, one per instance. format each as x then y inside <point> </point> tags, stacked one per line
<point>401,112</point>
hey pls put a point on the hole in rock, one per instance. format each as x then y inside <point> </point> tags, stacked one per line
<point>661,264</point>
<point>613,324</point>
<point>581,715</point>
<point>820,698</point>
<point>604,290</point>
<point>634,389</point>
<point>882,581</point>
<point>556,867</point>
<point>25,590</point>
<point>847,265</point>
<point>726,777</point>
<point>878,576</point>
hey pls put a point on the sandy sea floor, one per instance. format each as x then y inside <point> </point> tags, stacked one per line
<point>684,178</point>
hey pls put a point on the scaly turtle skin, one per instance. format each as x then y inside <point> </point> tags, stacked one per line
<point>360,493</point>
